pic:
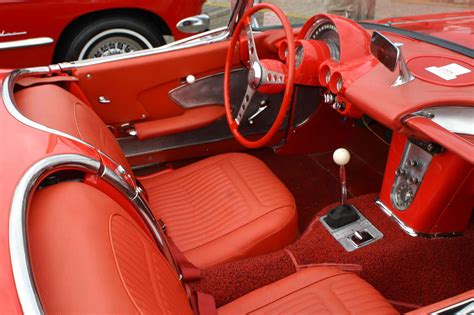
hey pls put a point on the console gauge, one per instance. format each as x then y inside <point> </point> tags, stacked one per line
<point>403,195</point>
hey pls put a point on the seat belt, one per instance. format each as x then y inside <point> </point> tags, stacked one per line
<point>201,303</point>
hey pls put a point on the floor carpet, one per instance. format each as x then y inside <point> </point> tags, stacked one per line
<point>404,269</point>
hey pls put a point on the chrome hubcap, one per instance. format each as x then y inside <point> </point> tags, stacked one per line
<point>113,46</point>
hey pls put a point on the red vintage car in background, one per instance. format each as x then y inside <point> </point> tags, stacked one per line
<point>34,33</point>
<point>316,169</point>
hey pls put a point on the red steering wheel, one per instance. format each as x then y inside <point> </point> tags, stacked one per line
<point>265,76</point>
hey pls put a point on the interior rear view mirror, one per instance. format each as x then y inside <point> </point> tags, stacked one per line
<point>385,51</point>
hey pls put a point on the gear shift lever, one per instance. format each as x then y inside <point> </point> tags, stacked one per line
<point>343,214</point>
<point>341,157</point>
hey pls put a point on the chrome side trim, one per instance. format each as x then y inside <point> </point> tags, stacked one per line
<point>18,241</point>
<point>213,36</point>
<point>31,42</point>
<point>408,229</point>
<point>457,119</point>
<point>19,255</point>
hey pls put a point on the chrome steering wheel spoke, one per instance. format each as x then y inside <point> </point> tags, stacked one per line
<point>253,56</point>
<point>245,104</point>
<point>270,77</point>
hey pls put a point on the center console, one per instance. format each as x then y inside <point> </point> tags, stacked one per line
<point>427,190</point>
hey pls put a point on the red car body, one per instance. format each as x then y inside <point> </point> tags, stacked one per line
<point>50,18</point>
<point>448,184</point>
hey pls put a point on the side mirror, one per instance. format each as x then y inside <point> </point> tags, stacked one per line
<point>390,55</point>
<point>385,51</point>
<point>194,24</point>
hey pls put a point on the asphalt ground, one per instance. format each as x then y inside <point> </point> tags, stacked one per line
<point>299,11</point>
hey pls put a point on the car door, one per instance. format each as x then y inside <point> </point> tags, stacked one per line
<point>174,96</point>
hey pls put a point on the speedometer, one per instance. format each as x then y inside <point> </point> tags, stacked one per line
<point>326,31</point>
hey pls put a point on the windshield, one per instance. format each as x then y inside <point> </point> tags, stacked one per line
<point>451,20</point>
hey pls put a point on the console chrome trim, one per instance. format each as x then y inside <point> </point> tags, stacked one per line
<point>30,42</point>
<point>408,230</point>
<point>457,119</point>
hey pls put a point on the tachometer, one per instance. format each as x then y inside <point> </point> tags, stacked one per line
<point>326,31</point>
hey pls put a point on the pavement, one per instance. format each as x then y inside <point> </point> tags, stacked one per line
<point>300,10</point>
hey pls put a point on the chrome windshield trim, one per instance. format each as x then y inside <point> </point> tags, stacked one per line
<point>209,37</point>
<point>31,42</point>
<point>408,230</point>
<point>19,254</point>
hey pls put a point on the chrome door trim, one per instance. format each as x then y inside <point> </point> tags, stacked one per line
<point>212,36</point>
<point>209,37</point>
<point>22,43</point>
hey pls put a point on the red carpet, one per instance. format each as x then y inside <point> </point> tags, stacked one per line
<point>403,268</point>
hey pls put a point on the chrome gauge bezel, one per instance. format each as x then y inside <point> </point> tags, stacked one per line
<point>320,26</point>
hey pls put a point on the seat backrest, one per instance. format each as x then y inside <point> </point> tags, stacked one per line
<point>89,256</point>
<point>56,108</point>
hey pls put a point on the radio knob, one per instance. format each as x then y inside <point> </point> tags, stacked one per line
<point>411,163</point>
<point>400,172</point>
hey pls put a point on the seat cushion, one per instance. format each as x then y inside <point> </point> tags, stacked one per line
<point>223,208</point>
<point>317,290</point>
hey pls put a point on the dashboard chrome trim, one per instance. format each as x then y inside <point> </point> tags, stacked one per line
<point>408,230</point>
<point>457,119</point>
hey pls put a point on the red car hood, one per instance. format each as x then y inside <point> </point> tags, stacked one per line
<point>457,27</point>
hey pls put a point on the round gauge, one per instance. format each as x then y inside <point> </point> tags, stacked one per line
<point>299,55</point>
<point>403,196</point>
<point>326,31</point>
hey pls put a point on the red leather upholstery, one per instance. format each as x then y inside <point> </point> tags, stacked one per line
<point>89,257</point>
<point>217,210</point>
<point>189,120</point>
<point>224,208</point>
<point>58,109</point>
<point>318,290</point>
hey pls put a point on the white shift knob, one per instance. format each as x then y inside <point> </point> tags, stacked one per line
<point>341,156</point>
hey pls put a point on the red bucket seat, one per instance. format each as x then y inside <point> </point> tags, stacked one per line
<point>217,210</point>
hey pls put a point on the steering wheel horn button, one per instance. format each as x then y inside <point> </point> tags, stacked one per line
<point>255,75</point>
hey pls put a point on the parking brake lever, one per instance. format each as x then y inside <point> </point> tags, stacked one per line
<point>263,106</point>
